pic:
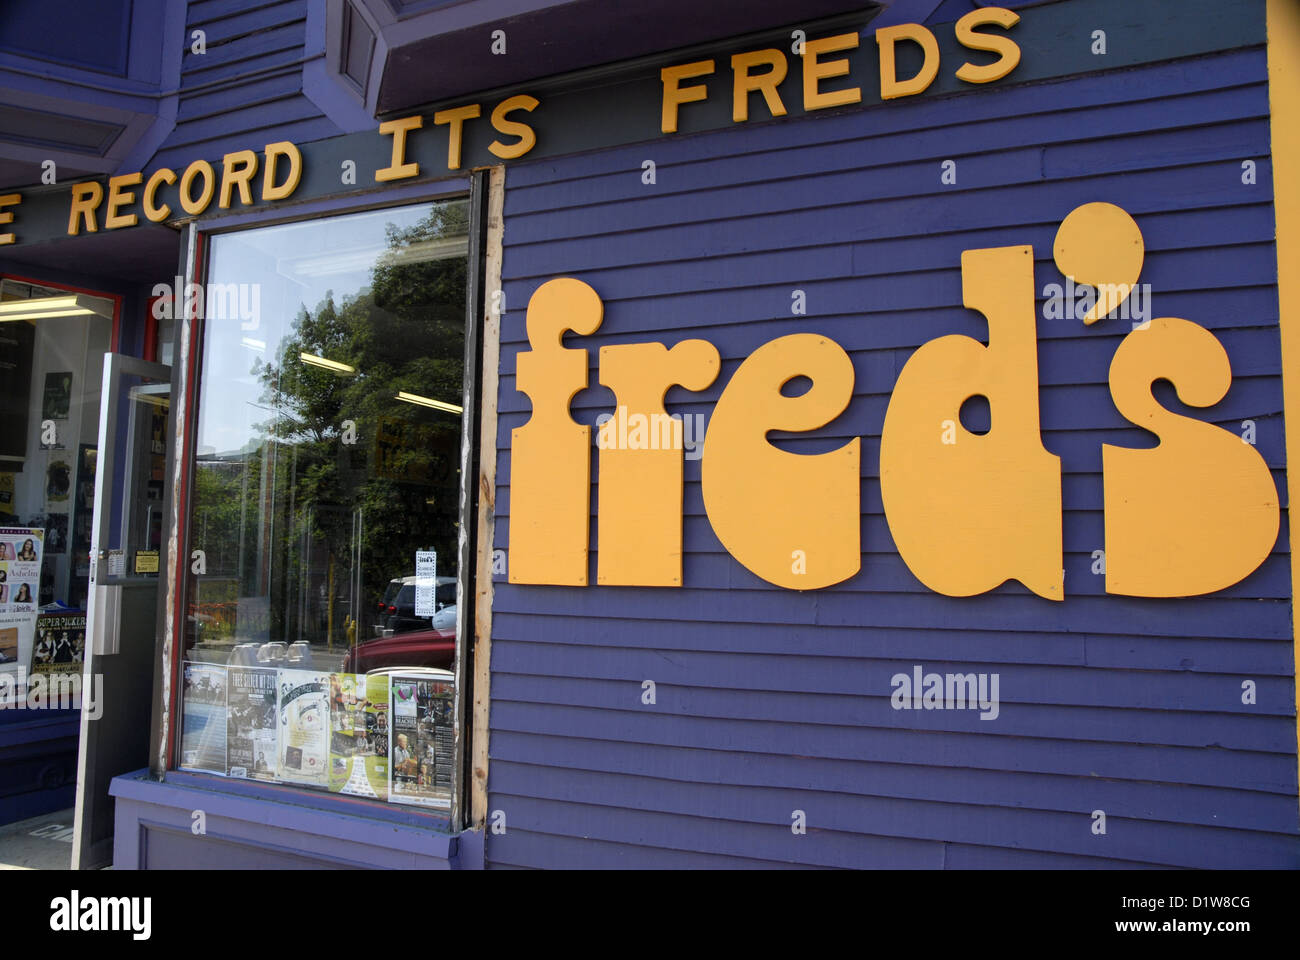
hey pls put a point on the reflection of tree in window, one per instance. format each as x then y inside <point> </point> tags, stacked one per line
<point>359,479</point>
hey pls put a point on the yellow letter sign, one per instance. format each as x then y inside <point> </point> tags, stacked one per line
<point>969,511</point>
<point>640,491</point>
<point>1200,511</point>
<point>550,455</point>
<point>791,518</point>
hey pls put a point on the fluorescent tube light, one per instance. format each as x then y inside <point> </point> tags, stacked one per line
<point>41,303</point>
<point>428,402</point>
<point>42,314</point>
<point>37,308</point>
<point>334,366</point>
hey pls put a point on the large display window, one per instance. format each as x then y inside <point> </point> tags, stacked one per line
<point>324,510</point>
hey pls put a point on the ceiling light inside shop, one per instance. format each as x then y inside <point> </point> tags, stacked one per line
<point>428,402</point>
<point>67,305</point>
<point>258,345</point>
<point>364,258</point>
<point>342,369</point>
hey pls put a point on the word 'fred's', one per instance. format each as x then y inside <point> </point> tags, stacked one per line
<point>967,511</point>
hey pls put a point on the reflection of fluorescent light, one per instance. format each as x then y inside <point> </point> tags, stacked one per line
<point>38,308</point>
<point>427,402</point>
<point>363,258</point>
<point>332,365</point>
<point>258,345</point>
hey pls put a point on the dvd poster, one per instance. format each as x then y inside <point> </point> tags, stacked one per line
<point>203,721</point>
<point>60,644</point>
<point>359,735</point>
<point>304,727</point>
<point>423,741</point>
<point>250,723</point>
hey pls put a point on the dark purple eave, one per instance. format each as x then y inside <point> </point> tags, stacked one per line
<point>147,253</point>
<point>559,38</point>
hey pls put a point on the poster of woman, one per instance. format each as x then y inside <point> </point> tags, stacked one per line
<point>20,577</point>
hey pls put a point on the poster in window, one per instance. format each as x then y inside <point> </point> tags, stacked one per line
<point>8,642</point>
<point>422,746</point>
<point>20,581</point>
<point>359,735</point>
<point>304,723</point>
<point>83,515</point>
<point>58,396</point>
<point>203,719</point>
<point>60,647</point>
<point>58,482</point>
<point>251,726</point>
<point>426,581</point>
<point>56,533</point>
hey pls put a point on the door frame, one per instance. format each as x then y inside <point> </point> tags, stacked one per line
<point>111,397</point>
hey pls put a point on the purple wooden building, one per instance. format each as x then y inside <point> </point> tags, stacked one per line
<point>358,301</point>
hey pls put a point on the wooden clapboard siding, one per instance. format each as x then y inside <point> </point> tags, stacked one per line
<point>770,701</point>
<point>248,83</point>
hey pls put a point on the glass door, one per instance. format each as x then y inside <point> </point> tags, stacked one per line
<point>126,557</point>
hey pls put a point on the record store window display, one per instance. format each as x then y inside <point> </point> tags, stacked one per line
<point>321,597</point>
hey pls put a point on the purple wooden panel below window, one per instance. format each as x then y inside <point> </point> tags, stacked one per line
<point>251,828</point>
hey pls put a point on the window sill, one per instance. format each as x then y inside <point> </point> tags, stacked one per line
<point>200,822</point>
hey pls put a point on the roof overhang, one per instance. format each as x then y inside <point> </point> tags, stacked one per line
<point>431,51</point>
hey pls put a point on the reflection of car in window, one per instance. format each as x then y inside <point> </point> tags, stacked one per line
<point>398,613</point>
<point>414,648</point>
<point>389,593</point>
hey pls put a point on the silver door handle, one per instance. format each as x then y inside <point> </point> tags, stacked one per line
<point>105,635</point>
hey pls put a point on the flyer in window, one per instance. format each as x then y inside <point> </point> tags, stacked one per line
<point>60,644</point>
<point>359,735</point>
<point>58,395</point>
<point>304,727</point>
<point>20,584</point>
<point>203,720</point>
<point>251,726</point>
<point>422,747</point>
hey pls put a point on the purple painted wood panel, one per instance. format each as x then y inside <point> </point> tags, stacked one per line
<point>38,762</point>
<point>770,701</point>
<point>251,828</point>
<point>246,88</point>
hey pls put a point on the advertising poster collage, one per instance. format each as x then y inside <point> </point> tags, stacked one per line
<point>384,736</point>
